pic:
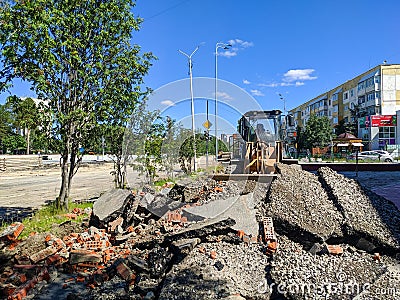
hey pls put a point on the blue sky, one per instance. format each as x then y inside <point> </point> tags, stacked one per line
<point>299,49</point>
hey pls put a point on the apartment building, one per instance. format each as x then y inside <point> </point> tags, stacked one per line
<point>375,94</point>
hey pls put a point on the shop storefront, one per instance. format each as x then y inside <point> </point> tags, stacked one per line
<point>377,132</point>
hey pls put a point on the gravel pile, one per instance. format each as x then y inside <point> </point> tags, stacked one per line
<point>298,274</point>
<point>387,286</point>
<point>300,207</point>
<point>366,214</point>
<point>236,269</point>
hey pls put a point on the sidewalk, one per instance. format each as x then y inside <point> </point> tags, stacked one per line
<point>391,193</point>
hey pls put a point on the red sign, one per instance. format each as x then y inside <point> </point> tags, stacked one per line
<point>379,121</point>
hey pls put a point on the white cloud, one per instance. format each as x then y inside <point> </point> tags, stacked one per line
<point>274,84</point>
<point>228,53</point>
<point>298,75</point>
<point>167,103</point>
<point>245,81</point>
<point>240,43</point>
<point>224,96</point>
<point>236,46</point>
<point>256,93</point>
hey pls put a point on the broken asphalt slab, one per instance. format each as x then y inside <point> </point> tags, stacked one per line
<point>239,208</point>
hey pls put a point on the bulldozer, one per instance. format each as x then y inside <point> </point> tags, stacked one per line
<point>260,142</point>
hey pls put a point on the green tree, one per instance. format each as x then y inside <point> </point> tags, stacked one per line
<point>26,116</point>
<point>13,142</point>
<point>79,56</point>
<point>318,132</point>
<point>300,139</point>
<point>5,124</point>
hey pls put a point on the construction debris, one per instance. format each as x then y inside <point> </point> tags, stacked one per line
<point>210,240</point>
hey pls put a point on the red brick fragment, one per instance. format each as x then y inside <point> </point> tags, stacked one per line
<point>377,257</point>
<point>12,232</point>
<point>213,254</point>
<point>43,254</point>
<point>334,249</point>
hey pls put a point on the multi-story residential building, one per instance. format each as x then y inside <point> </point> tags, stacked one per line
<point>375,95</point>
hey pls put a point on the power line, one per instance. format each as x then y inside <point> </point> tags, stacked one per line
<point>166,10</point>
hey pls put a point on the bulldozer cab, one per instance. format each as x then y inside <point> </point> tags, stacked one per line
<point>260,126</point>
<point>261,133</point>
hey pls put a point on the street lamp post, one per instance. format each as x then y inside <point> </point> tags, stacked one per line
<point>189,57</point>
<point>285,120</point>
<point>217,46</point>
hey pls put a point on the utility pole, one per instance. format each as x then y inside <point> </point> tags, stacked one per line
<point>189,57</point>
<point>217,46</point>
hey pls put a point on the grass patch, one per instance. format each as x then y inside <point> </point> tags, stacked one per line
<point>44,218</point>
<point>161,182</point>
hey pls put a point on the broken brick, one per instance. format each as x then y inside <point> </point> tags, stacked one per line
<point>271,248</point>
<point>12,232</point>
<point>114,224</point>
<point>81,256</point>
<point>213,254</point>
<point>43,254</point>
<point>268,228</point>
<point>334,249</point>
<point>23,290</point>
<point>218,189</point>
<point>377,257</point>
<point>124,271</point>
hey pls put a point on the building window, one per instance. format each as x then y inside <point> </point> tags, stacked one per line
<point>371,96</point>
<point>361,99</point>
<point>377,95</point>
<point>346,108</point>
<point>351,93</point>
<point>369,82</point>
<point>377,79</point>
<point>346,96</point>
<point>361,85</point>
<point>335,120</point>
<point>387,135</point>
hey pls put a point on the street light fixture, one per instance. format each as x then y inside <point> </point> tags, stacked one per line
<point>189,57</point>
<point>226,47</point>
<point>284,103</point>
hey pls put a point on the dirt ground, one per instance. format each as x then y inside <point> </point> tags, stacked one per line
<point>33,188</point>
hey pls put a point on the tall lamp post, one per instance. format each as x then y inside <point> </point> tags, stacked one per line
<point>217,46</point>
<point>285,119</point>
<point>189,57</point>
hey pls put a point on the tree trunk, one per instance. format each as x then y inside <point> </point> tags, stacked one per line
<point>72,167</point>
<point>62,202</point>
<point>28,134</point>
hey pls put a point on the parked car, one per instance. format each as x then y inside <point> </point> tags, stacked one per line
<point>379,155</point>
<point>382,152</point>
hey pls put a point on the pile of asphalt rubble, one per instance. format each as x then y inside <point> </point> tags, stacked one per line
<point>202,239</point>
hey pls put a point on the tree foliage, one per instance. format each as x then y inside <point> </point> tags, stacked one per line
<point>5,122</point>
<point>25,116</point>
<point>318,132</point>
<point>79,56</point>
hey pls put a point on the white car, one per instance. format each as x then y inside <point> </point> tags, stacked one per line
<point>373,155</point>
